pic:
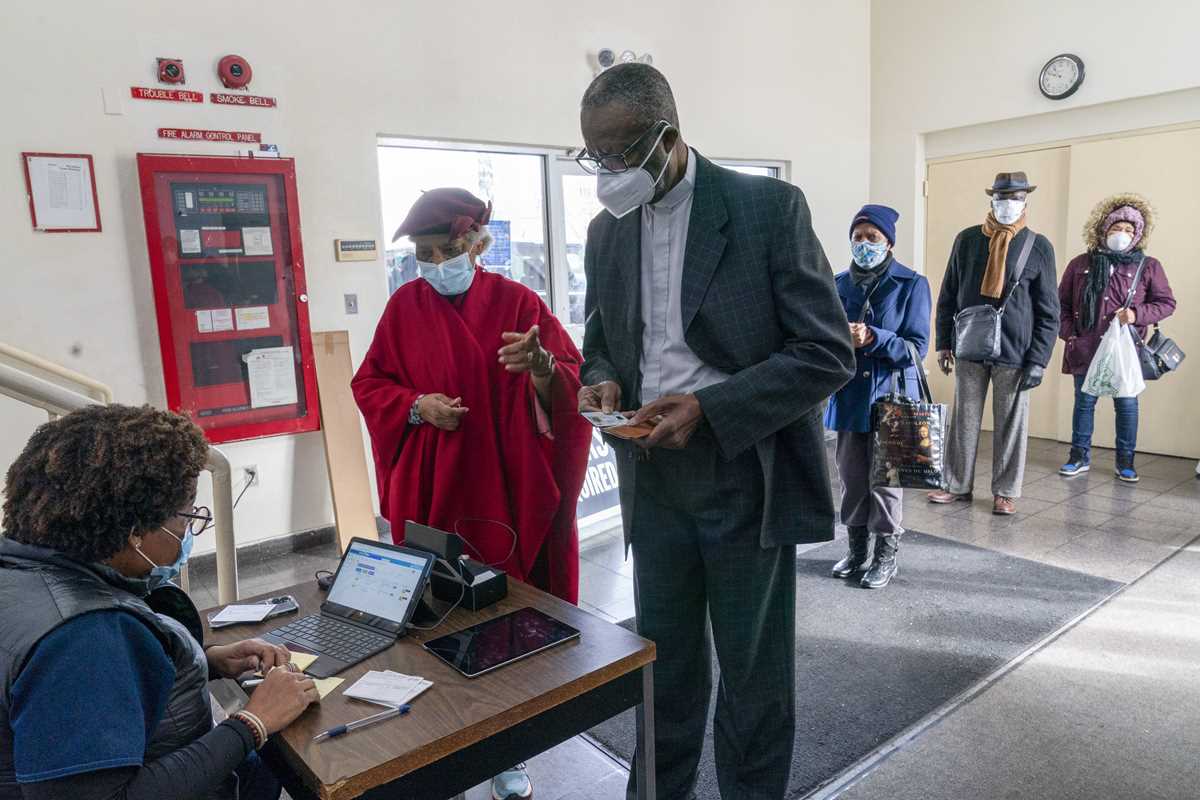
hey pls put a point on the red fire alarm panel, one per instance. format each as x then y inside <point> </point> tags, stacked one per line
<point>228,272</point>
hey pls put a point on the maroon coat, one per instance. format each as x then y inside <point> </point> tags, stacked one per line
<point>1152,302</point>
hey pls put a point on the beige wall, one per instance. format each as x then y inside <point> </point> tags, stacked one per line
<point>943,64</point>
<point>957,201</point>
<point>1165,167</point>
<point>762,79</point>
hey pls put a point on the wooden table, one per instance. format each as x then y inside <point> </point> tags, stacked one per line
<point>462,731</point>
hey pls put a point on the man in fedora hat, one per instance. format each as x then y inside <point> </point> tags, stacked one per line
<point>997,264</point>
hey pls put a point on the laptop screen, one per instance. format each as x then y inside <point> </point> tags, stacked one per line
<point>380,582</point>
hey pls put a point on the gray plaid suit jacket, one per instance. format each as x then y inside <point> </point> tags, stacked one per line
<point>759,303</point>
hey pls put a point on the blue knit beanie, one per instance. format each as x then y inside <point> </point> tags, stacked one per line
<point>881,217</point>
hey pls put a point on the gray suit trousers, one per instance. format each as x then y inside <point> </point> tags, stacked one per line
<point>698,560</point>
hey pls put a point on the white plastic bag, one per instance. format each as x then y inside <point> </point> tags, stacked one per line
<point>1115,369</point>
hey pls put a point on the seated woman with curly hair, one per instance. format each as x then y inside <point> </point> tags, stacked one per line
<point>103,675</point>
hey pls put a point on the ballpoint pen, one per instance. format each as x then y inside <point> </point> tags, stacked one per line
<point>332,733</point>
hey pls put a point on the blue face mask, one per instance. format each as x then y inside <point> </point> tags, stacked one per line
<point>160,574</point>
<point>452,276</point>
<point>868,254</point>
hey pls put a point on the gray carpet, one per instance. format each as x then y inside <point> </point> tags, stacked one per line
<point>871,663</point>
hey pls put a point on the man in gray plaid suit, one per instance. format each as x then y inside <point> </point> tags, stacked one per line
<point>711,309</point>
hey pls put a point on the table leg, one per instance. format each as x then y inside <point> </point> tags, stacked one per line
<point>645,744</point>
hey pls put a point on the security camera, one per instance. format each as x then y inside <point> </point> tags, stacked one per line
<point>606,58</point>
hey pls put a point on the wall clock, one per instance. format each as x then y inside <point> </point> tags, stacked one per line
<point>1061,77</point>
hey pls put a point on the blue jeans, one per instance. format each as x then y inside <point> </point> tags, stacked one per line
<point>1084,419</point>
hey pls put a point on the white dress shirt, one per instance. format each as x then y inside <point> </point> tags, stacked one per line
<point>668,365</point>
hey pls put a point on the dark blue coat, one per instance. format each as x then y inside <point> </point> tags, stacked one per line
<point>900,310</point>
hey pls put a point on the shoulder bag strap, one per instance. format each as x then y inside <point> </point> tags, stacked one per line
<point>1137,277</point>
<point>898,381</point>
<point>1022,259</point>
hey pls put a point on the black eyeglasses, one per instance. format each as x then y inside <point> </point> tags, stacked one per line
<point>615,162</point>
<point>201,514</point>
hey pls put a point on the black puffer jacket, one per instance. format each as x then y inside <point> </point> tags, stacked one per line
<point>40,590</point>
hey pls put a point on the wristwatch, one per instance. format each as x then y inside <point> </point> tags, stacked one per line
<point>414,412</point>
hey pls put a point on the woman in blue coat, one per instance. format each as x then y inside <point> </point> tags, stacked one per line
<point>888,306</point>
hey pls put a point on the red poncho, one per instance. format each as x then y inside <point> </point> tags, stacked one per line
<point>498,466</point>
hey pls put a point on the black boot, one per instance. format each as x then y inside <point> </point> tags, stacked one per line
<point>857,556</point>
<point>885,566</point>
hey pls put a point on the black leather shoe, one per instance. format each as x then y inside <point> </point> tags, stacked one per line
<point>857,556</point>
<point>885,567</point>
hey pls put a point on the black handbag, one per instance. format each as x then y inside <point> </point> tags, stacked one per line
<point>1160,354</point>
<point>977,328</point>
<point>909,439</point>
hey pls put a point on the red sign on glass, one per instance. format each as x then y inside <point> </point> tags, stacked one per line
<point>225,99</point>
<point>199,135</point>
<point>175,95</point>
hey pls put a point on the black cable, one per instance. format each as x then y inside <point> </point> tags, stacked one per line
<point>508,528</point>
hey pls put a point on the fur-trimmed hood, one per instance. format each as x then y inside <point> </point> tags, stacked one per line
<point>1093,236</point>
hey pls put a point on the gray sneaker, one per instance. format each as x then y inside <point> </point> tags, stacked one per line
<point>512,784</point>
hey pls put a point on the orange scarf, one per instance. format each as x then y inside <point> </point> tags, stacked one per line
<point>999,238</point>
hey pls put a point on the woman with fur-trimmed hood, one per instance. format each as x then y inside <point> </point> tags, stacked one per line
<point>1094,289</point>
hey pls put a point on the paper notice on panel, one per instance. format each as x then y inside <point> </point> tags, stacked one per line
<point>61,191</point>
<point>253,318</point>
<point>272,377</point>
<point>257,241</point>
<point>204,321</point>
<point>189,241</point>
<point>222,319</point>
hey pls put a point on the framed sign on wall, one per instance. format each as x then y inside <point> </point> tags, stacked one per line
<point>61,188</point>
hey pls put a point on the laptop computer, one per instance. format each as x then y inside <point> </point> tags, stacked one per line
<point>374,593</point>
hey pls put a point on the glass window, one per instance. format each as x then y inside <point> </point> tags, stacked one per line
<point>580,206</point>
<point>513,182</point>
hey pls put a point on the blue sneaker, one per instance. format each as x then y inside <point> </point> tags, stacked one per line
<point>512,784</point>
<point>1125,470</point>
<point>1078,462</point>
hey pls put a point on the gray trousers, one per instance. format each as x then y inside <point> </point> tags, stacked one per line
<point>1010,421</point>
<point>698,565</point>
<point>864,508</point>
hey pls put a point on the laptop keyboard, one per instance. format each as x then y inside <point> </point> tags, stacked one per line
<point>332,637</point>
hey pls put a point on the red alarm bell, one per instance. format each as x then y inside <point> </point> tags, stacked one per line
<point>234,71</point>
<point>170,70</point>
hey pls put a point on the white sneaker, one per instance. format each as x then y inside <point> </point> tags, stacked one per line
<point>512,784</point>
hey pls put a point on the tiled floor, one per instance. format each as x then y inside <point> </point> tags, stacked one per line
<point>1091,523</point>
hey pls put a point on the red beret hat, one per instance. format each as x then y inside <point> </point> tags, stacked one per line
<point>449,211</point>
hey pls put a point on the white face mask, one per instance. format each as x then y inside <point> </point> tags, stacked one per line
<point>1120,241</point>
<point>451,277</point>
<point>1008,211</point>
<point>622,192</point>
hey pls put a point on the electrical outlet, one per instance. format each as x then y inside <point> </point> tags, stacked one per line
<point>250,474</point>
<point>351,303</point>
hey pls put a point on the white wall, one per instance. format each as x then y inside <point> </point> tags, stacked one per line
<point>945,64</point>
<point>759,79</point>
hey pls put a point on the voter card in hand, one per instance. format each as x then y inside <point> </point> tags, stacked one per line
<point>601,420</point>
<point>617,424</point>
<point>387,688</point>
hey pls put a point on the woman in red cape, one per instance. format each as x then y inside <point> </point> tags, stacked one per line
<point>469,393</point>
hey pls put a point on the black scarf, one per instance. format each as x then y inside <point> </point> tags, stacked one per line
<point>866,277</point>
<point>1103,262</point>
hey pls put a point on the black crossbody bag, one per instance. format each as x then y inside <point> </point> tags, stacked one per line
<point>1160,354</point>
<point>977,328</point>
